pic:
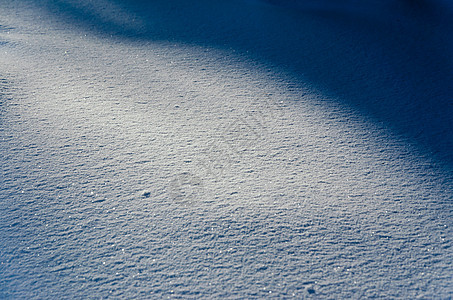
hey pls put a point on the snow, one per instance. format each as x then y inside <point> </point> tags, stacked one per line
<point>234,149</point>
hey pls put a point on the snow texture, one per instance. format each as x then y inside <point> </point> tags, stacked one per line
<point>226,149</point>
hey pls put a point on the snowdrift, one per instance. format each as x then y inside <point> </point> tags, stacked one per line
<point>391,59</point>
<point>226,149</point>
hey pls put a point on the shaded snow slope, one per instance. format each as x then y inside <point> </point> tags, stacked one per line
<point>390,59</point>
<point>159,149</point>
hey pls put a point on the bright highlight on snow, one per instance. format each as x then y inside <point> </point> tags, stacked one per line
<point>226,149</point>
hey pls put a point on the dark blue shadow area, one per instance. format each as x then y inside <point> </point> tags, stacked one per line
<point>393,60</point>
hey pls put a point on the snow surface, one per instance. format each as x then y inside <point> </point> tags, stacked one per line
<point>235,149</point>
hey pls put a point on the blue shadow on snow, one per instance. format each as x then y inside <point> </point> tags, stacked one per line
<point>391,59</point>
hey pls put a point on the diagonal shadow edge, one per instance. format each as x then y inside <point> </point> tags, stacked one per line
<point>394,64</point>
